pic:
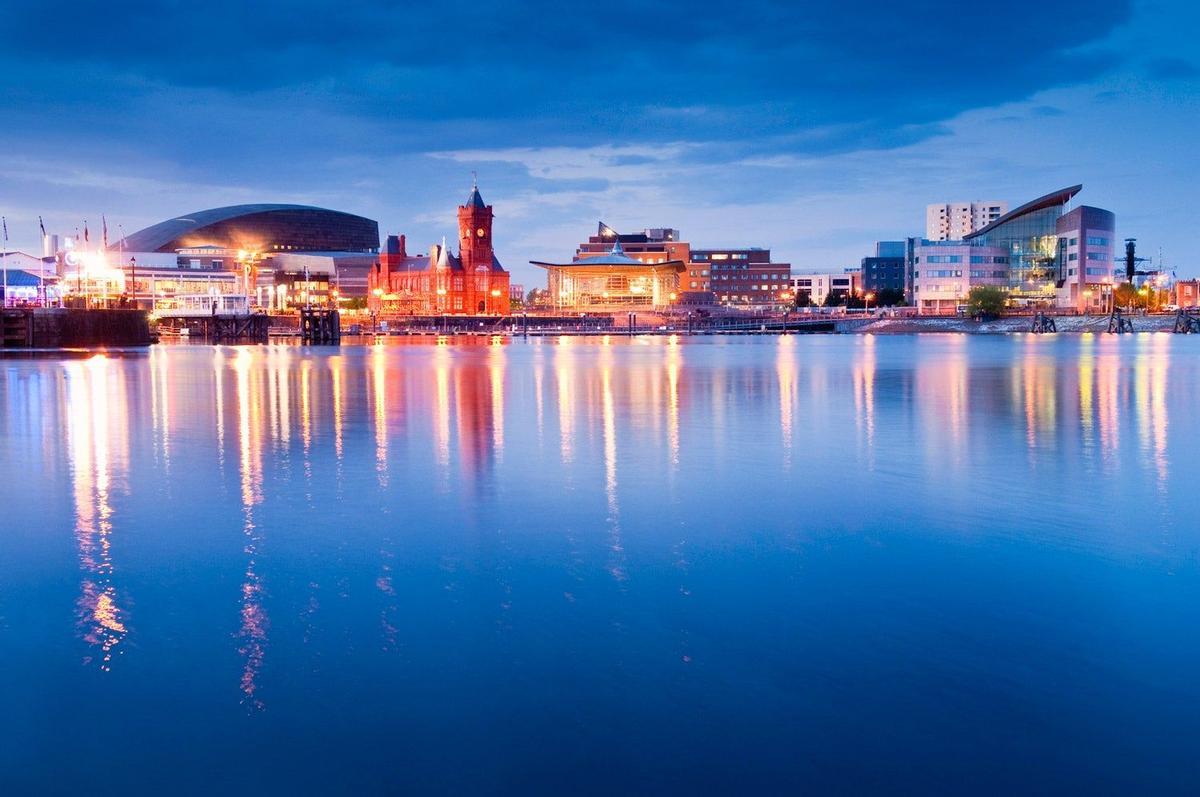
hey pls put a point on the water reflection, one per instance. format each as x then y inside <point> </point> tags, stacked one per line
<point>448,452</point>
<point>98,436</point>
<point>254,624</point>
<point>608,409</point>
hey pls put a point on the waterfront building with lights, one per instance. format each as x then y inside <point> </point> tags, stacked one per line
<point>746,276</point>
<point>613,281</point>
<point>817,285</point>
<point>470,283</point>
<point>1044,254</point>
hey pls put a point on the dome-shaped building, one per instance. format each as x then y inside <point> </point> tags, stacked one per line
<point>261,228</point>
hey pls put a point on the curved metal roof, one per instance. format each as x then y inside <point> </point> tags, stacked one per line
<point>157,236</point>
<point>1059,197</point>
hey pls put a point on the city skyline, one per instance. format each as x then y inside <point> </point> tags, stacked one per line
<point>800,145</point>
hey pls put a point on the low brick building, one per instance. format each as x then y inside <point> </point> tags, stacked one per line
<point>1187,293</point>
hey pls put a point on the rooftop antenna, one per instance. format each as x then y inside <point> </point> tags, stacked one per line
<point>474,180</point>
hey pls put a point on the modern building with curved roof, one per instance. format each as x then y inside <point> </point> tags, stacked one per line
<point>1041,252</point>
<point>264,228</point>
<point>613,280</point>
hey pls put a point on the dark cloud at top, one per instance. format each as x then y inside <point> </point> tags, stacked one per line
<point>461,74</point>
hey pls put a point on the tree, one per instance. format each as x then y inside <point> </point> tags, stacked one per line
<point>986,301</point>
<point>888,297</point>
<point>1129,297</point>
<point>803,298</point>
<point>835,298</point>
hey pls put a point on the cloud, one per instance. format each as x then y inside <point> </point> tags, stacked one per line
<point>556,73</point>
<point>1171,69</point>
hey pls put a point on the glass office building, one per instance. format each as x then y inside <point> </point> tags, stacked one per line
<point>1030,237</point>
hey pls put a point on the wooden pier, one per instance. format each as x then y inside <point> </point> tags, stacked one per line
<point>1118,324</point>
<point>215,328</point>
<point>1187,321</point>
<point>61,327</point>
<point>320,326</point>
<point>1043,323</point>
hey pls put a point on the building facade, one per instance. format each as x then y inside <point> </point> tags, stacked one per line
<point>944,272</point>
<point>1087,245</point>
<point>1041,253</point>
<point>653,245</point>
<point>817,286</point>
<point>953,221</point>
<point>883,273</point>
<point>1187,293</point>
<point>612,281</point>
<point>744,276</point>
<point>470,283</point>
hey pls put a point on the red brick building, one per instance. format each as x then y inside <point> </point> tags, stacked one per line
<point>1187,293</point>
<point>471,283</point>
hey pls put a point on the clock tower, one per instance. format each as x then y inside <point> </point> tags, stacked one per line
<point>475,233</point>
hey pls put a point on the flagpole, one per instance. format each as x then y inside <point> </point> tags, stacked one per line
<point>42,267</point>
<point>4,257</point>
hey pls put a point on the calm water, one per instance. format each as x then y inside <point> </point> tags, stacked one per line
<point>740,565</point>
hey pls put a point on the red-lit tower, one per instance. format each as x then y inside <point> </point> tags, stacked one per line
<point>475,233</point>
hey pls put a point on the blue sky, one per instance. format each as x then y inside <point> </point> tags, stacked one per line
<point>814,128</point>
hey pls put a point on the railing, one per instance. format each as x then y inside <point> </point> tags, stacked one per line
<point>197,305</point>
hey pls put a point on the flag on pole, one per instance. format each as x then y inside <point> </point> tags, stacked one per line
<point>5,222</point>
<point>86,239</point>
<point>43,226</point>
<point>104,230</point>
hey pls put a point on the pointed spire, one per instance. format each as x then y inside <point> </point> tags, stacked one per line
<point>475,200</point>
<point>443,260</point>
<point>617,248</point>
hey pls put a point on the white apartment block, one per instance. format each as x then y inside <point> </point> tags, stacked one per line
<point>820,285</point>
<point>953,220</point>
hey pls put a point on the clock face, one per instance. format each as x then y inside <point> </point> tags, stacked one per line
<point>479,232</point>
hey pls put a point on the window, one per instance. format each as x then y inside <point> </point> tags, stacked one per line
<point>1072,257</point>
<point>1073,242</point>
<point>1096,256</point>
<point>1097,241</point>
<point>1093,271</point>
<point>720,257</point>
